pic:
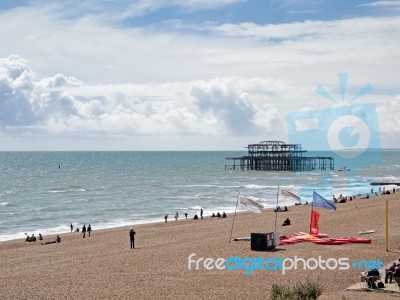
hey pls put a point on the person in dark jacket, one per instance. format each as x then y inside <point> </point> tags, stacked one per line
<point>132,238</point>
<point>286,222</point>
<point>389,273</point>
<point>89,229</point>
<point>84,231</point>
<point>372,273</point>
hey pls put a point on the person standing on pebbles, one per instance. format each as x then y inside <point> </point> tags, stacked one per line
<point>89,229</point>
<point>84,231</point>
<point>132,238</point>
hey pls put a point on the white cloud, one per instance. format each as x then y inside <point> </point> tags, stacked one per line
<point>96,52</point>
<point>234,81</point>
<point>389,121</point>
<point>61,105</point>
<point>15,92</point>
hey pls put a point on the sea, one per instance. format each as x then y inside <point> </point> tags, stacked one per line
<point>44,192</point>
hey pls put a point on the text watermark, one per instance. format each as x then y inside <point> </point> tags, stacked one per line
<point>249,265</point>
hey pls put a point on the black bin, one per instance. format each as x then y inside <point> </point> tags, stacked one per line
<point>262,241</point>
<point>258,241</point>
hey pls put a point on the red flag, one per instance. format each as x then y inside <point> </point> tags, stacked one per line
<point>314,227</point>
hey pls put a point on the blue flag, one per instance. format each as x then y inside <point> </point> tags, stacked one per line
<point>319,201</point>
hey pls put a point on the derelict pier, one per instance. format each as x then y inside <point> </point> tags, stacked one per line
<point>279,156</point>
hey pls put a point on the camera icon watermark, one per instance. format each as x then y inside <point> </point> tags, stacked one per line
<point>346,131</point>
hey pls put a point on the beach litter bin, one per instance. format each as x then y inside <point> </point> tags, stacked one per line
<point>264,241</point>
<point>277,239</point>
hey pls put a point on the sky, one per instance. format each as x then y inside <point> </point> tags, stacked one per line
<point>190,74</point>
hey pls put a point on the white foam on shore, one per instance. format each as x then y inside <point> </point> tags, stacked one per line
<point>122,222</point>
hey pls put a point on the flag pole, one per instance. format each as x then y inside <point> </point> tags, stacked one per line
<point>312,209</point>
<point>233,222</point>
<point>276,208</point>
<point>387,226</point>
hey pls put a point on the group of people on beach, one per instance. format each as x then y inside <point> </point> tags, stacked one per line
<point>32,238</point>
<point>382,191</point>
<point>218,215</point>
<point>279,209</point>
<point>195,217</point>
<point>391,273</point>
<point>83,231</point>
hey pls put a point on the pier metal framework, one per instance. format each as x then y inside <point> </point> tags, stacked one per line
<point>279,156</point>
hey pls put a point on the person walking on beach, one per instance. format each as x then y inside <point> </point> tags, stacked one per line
<point>132,238</point>
<point>201,213</point>
<point>176,216</point>
<point>166,218</point>
<point>84,231</point>
<point>72,227</point>
<point>89,230</point>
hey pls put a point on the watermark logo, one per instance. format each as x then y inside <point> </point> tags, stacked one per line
<point>344,129</point>
<point>368,264</point>
<point>249,265</point>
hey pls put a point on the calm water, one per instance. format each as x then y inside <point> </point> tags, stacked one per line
<point>43,192</point>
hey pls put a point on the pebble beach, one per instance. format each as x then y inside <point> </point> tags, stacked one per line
<point>104,267</point>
